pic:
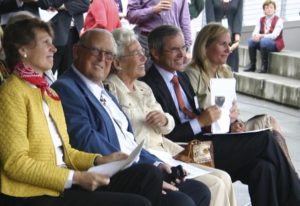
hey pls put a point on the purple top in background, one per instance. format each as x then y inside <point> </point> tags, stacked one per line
<point>140,12</point>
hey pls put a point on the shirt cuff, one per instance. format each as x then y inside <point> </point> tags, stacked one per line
<point>69,181</point>
<point>157,163</point>
<point>19,3</point>
<point>195,126</point>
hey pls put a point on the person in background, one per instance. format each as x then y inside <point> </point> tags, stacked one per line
<point>230,14</point>
<point>195,8</point>
<point>255,158</point>
<point>147,15</point>
<point>67,24</point>
<point>149,122</point>
<point>9,7</point>
<point>37,164</point>
<point>102,14</point>
<point>211,49</point>
<point>266,37</point>
<point>3,70</point>
<point>104,128</point>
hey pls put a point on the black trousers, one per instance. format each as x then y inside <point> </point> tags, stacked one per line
<point>63,57</point>
<point>258,161</point>
<point>139,185</point>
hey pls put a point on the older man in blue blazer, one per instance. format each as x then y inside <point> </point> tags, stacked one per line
<point>95,121</point>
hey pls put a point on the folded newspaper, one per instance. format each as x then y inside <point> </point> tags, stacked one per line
<point>112,168</point>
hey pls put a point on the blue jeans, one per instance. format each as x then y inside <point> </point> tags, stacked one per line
<point>264,43</point>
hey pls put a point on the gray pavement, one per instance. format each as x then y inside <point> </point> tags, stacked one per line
<point>289,119</point>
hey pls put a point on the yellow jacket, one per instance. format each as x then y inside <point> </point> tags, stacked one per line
<point>27,154</point>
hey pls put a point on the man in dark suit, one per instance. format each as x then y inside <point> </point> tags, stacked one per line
<point>67,24</point>
<point>7,7</point>
<point>254,158</point>
<point>95,120</point>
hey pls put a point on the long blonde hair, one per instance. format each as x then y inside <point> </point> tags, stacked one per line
<point>208,34</point>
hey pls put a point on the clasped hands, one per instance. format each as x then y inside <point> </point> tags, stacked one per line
<point>156,119</point>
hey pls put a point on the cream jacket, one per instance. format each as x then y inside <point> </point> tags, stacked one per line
<point>27,154</point>
<point>137,105</point>
<point>201,89</point>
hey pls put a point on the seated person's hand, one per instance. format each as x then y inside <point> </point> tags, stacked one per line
<point>237,126</point>
<point>156,119</point>
<point>209,115</point>
<point>110,158</point>
<point>234,112</point>
<point>90,181</point>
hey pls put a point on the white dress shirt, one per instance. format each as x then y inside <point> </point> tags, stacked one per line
<point>167,76</point>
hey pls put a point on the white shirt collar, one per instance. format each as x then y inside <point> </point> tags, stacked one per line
<point>96,89</point>
<point>166,75</point>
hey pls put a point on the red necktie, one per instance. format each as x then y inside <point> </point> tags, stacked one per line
<point>182,106</point>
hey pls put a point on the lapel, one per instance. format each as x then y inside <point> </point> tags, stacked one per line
<point>94,102</point>
<point>161,87</point>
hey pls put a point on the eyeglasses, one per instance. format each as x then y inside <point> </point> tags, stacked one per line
<point>138,52</point>
<point>177,50</point>
<point>109,56</point>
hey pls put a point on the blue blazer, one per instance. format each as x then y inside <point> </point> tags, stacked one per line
<point>89,126</point>
<point>183,131</point>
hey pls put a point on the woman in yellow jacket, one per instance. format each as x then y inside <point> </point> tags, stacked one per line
<point>37,164</point>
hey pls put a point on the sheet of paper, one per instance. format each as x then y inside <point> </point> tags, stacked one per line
<point>167,158</point>
<point>47,15</point>
<point>237,133</point>
<point>112,168</point>
<point>222,94</point>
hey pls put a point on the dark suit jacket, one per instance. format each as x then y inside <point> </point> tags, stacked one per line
<point>62,20</point>
<point>215,12</point>
<point>182,131</point>
<point>7,6</point>
<point>89,126</point>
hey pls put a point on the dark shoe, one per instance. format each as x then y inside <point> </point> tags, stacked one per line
<point>263,69</point>
<point>250,68</point>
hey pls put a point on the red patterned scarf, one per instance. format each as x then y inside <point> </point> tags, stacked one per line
<point>29,75</point>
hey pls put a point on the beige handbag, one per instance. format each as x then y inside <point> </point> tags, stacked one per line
<point>196,151</point>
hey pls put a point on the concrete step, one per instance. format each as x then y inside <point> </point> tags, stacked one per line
<point>271,87</point>
<point>285,63</point>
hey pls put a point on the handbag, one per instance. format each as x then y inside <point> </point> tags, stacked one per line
<point>199,152</point>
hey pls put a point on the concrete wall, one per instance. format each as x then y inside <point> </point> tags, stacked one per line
<point>291,34</point>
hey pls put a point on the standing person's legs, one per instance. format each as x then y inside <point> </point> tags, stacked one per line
<point>233,60</point>
<point>63,57</point>
<point>242,154</point>
<point>143,39</point>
